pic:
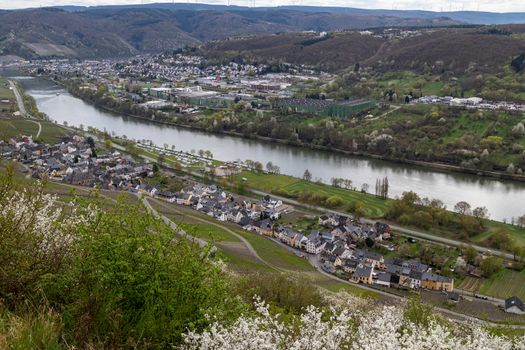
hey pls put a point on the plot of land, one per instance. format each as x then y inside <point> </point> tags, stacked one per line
<point>505,284</point>
<point>293,186</point>
<point>471,284</point>
<point>12,127</point>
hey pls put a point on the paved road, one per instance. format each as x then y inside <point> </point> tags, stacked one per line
<point>19,100</point>
<point>22,107</point>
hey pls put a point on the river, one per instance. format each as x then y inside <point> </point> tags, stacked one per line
<point>504,199</point>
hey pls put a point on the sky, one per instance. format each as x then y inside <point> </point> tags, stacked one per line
<point>432,5</point>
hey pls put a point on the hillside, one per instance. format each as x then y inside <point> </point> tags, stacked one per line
<point>457,50</point>
<point>471,17</point>
<point>125,31</point>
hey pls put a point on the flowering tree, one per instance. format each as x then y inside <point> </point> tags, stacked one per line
<point>36,232</point>
<point>346,327</point>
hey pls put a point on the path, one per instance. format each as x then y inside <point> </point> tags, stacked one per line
<point>22,107</point>
<point>222,227</point>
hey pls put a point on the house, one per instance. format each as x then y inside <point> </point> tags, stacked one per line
<point>383,279</point>
<point>315,246</point>
<point>264,227</point>
<point>363,274</point>
<point>350,265</point>
<point>436,282</point>
<point>514,305</point>
<point>324,220</point>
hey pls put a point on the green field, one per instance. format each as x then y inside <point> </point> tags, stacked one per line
<point>13,127</point>
<point>208,232</point>
<point>274,183</point>
<point>5,92</point>
<point>505,284</point>
<point>275,254</point>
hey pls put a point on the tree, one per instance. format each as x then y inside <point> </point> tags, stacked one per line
<point>90,142</point>
<point>161,159</point>
<point>481,213</point>
<point>258,166</point>
<point>500,240</point>
<point>463,208</point>
<point>307,176</point>
<point>470,254</point>
<point>491,265</point>
<point>364,188</point>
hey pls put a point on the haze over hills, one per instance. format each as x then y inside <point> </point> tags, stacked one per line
<point>471,17</point>
<point>128,30</point>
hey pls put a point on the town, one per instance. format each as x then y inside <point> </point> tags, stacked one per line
<point>75,161</point>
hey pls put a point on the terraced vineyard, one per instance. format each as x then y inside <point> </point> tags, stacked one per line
<point>471,284</point>
<point>505,284</point>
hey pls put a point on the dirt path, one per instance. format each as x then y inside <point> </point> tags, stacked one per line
<point>250,248</point>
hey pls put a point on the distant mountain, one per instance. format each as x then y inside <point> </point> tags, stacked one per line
<point>112,31</point>
<point>470,17</point>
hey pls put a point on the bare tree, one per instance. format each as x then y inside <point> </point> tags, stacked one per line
<point>463,208</point>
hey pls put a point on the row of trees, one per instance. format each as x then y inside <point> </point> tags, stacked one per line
<point>382,187</point>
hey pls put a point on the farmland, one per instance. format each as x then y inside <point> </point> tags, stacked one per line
<point>282,184</point>
<point>505,284</point>
<point>471,284</point>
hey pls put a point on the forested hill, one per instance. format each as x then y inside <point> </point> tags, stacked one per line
<point>471,17</point>
<point>125,31</point>
<point>457,50</point>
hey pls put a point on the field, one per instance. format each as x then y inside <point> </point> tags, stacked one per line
<point>471,284</point>
<point>505,284</point>
<point>5,92</point>
<point>12,127</point>
<point>278,183</point>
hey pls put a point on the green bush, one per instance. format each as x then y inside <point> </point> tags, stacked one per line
<point>133,282</point>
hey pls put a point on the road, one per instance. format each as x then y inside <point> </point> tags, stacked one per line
<point>19,100</point>
<point>22,107</point>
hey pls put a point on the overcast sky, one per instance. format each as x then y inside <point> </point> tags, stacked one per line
<point>434,5</point>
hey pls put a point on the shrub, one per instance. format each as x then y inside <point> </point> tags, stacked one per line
<point>132,282</point>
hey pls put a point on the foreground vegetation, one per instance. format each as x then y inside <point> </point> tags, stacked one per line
<point>97,274</point>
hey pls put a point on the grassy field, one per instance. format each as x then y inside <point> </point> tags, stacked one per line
<point>505,284</point>
<point>275,254</point>
<point>12,127</point>
<point>275,183</point>
<point>209,233</point>
<point>5,92</point>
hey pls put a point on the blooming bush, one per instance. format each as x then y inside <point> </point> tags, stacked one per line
<point>352,328</point>
<point>36,232</point>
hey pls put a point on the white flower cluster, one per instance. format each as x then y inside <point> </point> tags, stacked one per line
<point>383,328</point>
<point>41,217</point>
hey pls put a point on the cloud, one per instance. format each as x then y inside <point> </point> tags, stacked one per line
<point>433,5</point>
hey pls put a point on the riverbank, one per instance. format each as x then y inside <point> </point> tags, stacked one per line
<point>437,166</point>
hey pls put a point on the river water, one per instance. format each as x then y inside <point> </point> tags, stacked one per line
<point>504,199</point>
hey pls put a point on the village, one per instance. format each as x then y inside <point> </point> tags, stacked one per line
<point>337,242</point>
